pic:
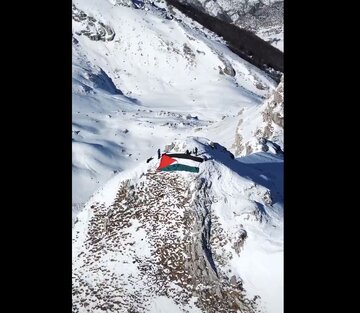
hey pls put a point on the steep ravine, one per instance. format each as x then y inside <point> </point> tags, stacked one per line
<point>241,41</point>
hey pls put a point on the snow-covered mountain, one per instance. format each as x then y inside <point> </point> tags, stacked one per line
<point>141,80</point>
<point>152,241</point>
<point>145,78</point>
<point>263,17</point>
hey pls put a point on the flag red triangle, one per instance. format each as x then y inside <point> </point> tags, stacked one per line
<point>165,161</point>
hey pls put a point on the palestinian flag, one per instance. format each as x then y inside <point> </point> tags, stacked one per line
<point>179,162</point>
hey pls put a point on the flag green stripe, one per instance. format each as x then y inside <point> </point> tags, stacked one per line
<point>180,167</point>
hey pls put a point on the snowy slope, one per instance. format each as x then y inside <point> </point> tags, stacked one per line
<point>254,128</point>
<point>141,80</point>
<point>181,242</point>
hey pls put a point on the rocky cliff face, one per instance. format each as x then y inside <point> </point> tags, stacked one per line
<point>267,134</point>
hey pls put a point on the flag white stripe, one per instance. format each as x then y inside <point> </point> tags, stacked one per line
<point>186,162</point>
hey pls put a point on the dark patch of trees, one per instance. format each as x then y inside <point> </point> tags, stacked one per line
<point>241,41</point>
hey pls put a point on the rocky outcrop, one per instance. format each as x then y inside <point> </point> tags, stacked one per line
<point>91,28</point>
<point>274,111</point>
<point>266,134</point>
<point>172,235</point>
<point>177,224</point>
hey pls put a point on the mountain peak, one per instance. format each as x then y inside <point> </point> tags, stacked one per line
<point>173,236</point>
